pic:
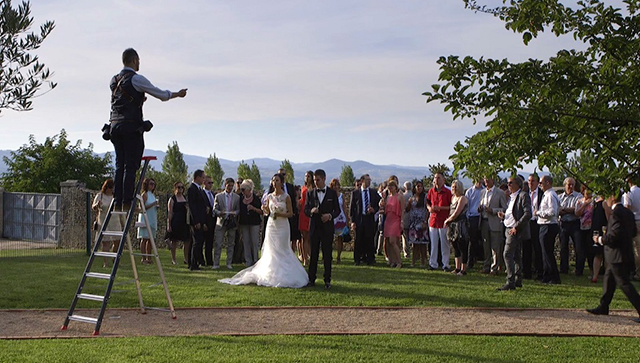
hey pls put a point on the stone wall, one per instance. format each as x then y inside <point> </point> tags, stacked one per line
<point>73,210</point>
<point>1,211</point>
<point>73,215</point>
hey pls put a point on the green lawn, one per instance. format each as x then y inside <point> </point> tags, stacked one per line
<point>365,348</point>
<point>51,281</point>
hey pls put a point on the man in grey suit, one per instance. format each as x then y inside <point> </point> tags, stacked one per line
<point>516,222</point>
<point>492,201</point>
<point>226,207</point>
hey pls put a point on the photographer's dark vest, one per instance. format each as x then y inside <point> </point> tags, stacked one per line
<point>126,102</point>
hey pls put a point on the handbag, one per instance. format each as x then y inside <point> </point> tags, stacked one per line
<point>346,234</point>
<point>229,222</point>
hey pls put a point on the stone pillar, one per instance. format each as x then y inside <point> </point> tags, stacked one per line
<point>73,222</point>
<point>1,212</point>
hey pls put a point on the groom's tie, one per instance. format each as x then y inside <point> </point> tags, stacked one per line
<point>366,201</point>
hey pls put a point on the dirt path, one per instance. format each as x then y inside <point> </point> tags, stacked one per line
<point>26,324</point>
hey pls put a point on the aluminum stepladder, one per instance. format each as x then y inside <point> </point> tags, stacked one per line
<point>127,217</point>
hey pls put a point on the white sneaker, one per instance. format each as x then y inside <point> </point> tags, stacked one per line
<point>215,267</point>
<point>230,267</point>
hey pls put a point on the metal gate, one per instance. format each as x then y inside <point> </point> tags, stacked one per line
<point>32,217</point>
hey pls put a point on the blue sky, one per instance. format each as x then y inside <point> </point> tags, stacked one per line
<point>306,81</point>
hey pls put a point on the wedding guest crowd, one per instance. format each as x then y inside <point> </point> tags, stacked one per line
<point>513,231</point>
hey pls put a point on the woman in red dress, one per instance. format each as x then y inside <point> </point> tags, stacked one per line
<point>304,249</point>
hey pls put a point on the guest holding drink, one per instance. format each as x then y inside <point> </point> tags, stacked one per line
<point>249,222</point>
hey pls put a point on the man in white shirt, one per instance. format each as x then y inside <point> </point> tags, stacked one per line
<point>547,215</point>
<point>516,222</point>
<point>362,210</point>
<point>631,201</point>
<point>570,228</point>
<point>531,250</point>
<point>226,207</point>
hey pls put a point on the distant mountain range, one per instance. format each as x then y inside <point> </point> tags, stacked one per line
<point>268,167</point>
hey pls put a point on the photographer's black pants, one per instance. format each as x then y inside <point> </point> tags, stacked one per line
<point>128,142</point>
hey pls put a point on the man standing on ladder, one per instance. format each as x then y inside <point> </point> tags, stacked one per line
<point>127,126</point>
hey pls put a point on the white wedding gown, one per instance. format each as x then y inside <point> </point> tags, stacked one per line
<point>278,266</point>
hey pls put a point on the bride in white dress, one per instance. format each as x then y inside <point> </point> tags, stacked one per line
<point>278,266</point>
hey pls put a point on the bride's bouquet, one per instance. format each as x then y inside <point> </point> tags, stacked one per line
<point>276,209</point>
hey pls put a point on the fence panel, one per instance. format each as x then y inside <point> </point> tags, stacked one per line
<point>31,223</point>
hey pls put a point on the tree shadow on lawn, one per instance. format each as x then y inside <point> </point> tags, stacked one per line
<point>352,347</point>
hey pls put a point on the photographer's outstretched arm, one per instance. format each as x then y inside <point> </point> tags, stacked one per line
<point>181,93</point>
<point>142,84</point>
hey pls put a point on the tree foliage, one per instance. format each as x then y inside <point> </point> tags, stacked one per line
<point>255,176</point>
<point>578,102</point>
<point>244,170</point>
<point>213,169</point>
<point>21,73</point>
<point>164,183</point>
<point>286,165</point>
<point>40,168</point>
<point>347,179</point>
<point>174,167</point>
<point>427,181</point>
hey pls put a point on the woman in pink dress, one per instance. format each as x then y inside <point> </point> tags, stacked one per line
<point>394,211</point>
<point>304,250</point>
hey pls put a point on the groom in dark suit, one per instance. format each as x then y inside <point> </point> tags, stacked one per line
<point>618,252</point>
<point>364,205</point>
<point>198,210</point>
<point>322,207</point>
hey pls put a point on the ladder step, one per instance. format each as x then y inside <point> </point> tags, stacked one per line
<point>99,275</point>
<point>119,213</point>
<point>106,254</point>
<point>84,319</point>
<point>113,233</point>
<point>91,297</point>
